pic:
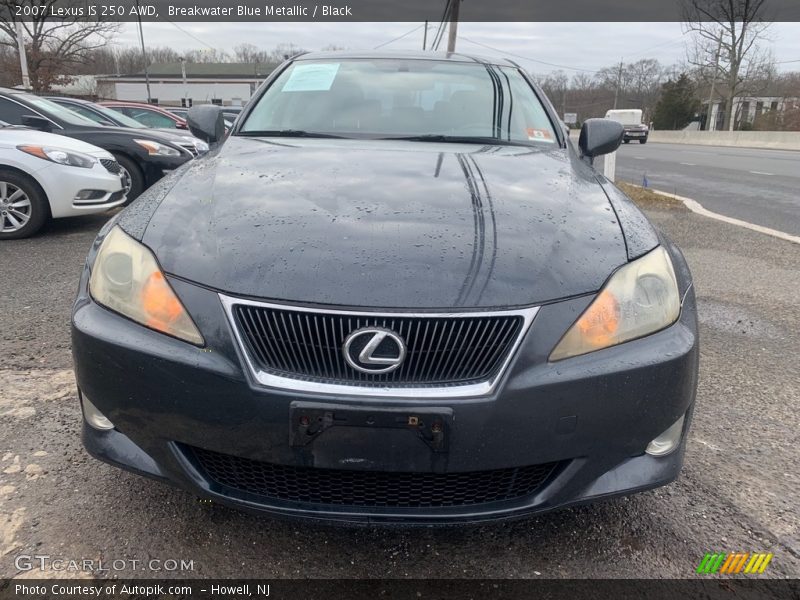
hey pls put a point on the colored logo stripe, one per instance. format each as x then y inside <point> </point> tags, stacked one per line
<point>736,562</point>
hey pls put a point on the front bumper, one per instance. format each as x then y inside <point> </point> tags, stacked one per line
<point>591,417</point>
<point>635,134</point>
<point>155,167</point>
<point>63,184</point>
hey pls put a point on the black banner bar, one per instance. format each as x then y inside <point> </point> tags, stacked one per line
<point>711,588</point>
<point>377,10</point>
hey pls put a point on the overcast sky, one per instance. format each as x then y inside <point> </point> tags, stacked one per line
<point>580,46</point>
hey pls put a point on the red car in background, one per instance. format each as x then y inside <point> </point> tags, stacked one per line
<point>148,114</point>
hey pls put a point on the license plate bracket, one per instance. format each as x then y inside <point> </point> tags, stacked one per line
<point>309,420</point>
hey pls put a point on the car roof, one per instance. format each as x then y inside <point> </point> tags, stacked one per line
<point>68,99</point>
<point>7,90</point>
<point>130,103</point>
<point>408,55</point>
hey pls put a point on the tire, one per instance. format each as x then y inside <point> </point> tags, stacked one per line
<point>24,207</point>
<point>626,141</point>
<point>644,141</point>
<point>131,172</point>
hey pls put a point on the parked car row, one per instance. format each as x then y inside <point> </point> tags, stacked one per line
<point>44,175</point>
<point>63,156</point>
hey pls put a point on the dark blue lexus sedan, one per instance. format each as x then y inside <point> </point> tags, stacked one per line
<point>395,293</point>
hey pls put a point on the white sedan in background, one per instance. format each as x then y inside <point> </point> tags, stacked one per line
<point>43,176</point>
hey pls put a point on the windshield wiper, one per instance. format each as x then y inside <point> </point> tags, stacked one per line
<point>289,133</point>
<point>456,139</point>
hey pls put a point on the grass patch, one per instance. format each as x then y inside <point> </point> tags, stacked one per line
<point>647,198</point>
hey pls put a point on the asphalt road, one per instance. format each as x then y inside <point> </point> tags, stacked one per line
<point>738,492</point>
<point>758,186</point>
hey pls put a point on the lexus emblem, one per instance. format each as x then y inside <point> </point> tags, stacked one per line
<point>374,350</point>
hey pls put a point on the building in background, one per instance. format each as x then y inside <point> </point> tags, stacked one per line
<point>770,109</point>
<point>227,84</point>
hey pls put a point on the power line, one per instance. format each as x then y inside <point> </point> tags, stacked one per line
<point>661,45</point>
<point>399,37</point>
<point>440,30</point>
<point>194,37</point>
<point>536,60</point>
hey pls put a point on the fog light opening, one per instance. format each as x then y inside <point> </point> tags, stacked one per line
<point>667,441</point>
<point>85,195</point>
<point>93,416</point>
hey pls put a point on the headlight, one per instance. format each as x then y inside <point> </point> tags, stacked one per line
<point>127,279</point>
<point>60,156</point>
<point>640,298</point>
<point>157,149</point>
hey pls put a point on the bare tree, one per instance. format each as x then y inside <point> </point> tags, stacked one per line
<point>207,55</point>
<point>555,85</point>
<point>726,36</point>
<point>53,45</point>
<point>248,53</point>
<point>283,51</point>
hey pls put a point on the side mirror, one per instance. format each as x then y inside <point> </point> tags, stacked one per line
<point>599,136</point>
<point>206,122</point>
<point>39,123</point>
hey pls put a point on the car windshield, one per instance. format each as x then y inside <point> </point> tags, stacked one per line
<point>429,100</point>
<point>57,111</point>
<point>118,117</point>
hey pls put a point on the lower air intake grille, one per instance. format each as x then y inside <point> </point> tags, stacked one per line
<point>370,488</point>
<point>440,350</point>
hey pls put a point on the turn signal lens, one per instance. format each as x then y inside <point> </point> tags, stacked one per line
<point>600,322</point>
<point>127,279</point>
<point>639,299</point>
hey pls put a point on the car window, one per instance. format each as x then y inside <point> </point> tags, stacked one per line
<point>150,118</point>
<point>395,98</point>
<point>84,112</point>
<point>118,117</point>
<point>11,112</point>
<point>50,108</point>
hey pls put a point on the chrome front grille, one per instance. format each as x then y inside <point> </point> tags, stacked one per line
<point>299,348</point>
<point>111,166</point>
<point>189,147</point>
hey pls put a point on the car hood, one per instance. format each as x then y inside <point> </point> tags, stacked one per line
<point>129,132</point>
<point>16,136</point>
<point>387,224</point>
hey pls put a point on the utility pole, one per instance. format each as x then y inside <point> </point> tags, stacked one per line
<point>144,53</point>
<point>425,36</point>
<point>713,85</point>
<point>619,84</point>
<point>23,58</point>
<point>183,74</point>
<point>453,29</point>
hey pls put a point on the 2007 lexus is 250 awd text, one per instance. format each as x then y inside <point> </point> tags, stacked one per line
<point>395,292</point>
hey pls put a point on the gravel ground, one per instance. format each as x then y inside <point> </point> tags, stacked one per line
<point>738,491</point>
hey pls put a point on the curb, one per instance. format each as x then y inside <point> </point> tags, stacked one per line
<point>696,207</point>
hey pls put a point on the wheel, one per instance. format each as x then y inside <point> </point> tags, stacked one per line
<point>132,178</point>
<point>23,206</point>
<point>626,141</point>
<point>643,141</point>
